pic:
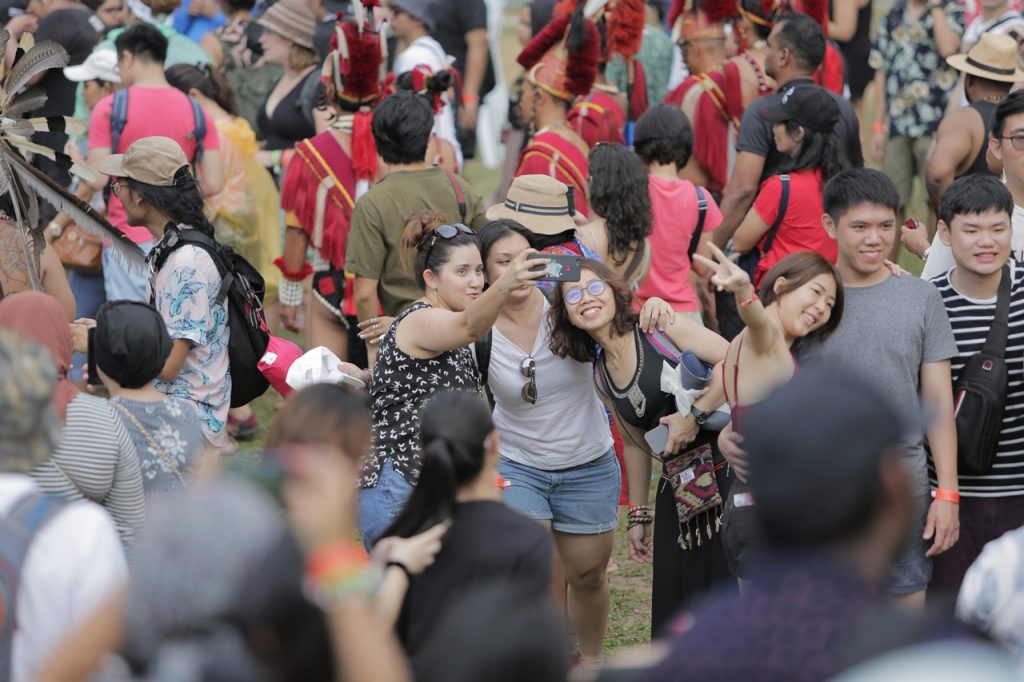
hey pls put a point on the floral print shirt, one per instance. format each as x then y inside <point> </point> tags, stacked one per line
<point>185,293</point>
<point>167,436</point>
<point>917,78</point>
<point>401,386</point>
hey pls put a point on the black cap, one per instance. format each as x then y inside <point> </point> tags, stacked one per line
<point>131,343</point>
<point>815,448</point>
<point>811,106</point>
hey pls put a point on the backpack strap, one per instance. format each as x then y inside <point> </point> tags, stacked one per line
<point>199,132</point>
<point>18,528</point>
<point>175,238</point>
<point>459,197</point>
<point>783,205</point>
<point>118,118</point>
<point>702,214</point>
<point>482,355</point>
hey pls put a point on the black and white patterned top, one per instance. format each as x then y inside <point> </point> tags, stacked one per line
<point>401,385</point>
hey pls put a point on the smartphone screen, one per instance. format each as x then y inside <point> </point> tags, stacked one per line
<point>94,375</point>
<point>561,268</point>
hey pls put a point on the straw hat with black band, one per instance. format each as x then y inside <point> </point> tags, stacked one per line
<point>542,204</point>
<point>994,58</point>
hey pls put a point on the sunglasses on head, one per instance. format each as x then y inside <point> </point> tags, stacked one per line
<point>575,295</point>
<point>446,232</point>
<point>528,368</point>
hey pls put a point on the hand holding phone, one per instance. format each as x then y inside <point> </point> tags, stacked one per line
<point>560,268</point>
<point>657,439</point>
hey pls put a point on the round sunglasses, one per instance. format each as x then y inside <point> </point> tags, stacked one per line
<point>575,295</point>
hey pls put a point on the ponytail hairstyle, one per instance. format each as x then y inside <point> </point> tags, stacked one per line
<point>425,82</point>
<point>455,433</point>
<point>418,242</point>
<point>209,82</point>
<point>182,202</point>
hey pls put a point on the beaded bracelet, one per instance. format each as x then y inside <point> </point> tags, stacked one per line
<point>638,515</point>
<point>289,292</point>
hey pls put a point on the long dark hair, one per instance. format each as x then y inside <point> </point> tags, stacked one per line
<point>496,230</point>
<point>454,428</point>
<point>618,193</point>
<point>818,151</point>
<point>568,340</point>
<point>182,202</point>
<point>207,81</point>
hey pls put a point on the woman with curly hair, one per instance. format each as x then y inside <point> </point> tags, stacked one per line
<point>592,321</point>
<point>621,208</point>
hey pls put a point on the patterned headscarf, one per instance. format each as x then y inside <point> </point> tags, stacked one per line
<point>29,430</point>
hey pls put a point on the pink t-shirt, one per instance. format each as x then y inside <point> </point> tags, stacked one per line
<point>801,229</point>
<point>151,111</point>
<point>674,206</point>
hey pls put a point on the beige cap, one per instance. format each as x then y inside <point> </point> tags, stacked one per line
<point>151,160</point>
<point>539,202</point>
<point>293,20</point>
<point>994,58</point>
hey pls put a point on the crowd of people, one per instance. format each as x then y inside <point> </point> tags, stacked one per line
<point>692,282</point>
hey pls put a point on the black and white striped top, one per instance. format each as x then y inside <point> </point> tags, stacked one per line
<point>96,460</point>
<point>971,320</point>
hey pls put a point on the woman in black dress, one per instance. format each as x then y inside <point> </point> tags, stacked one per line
<point>687,552</point>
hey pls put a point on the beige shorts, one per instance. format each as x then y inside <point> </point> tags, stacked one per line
<point>905,158</point>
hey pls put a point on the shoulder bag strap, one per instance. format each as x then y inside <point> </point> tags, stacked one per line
<point>199,132</point>
<point>459,197</point>
<point>118,118</point>
<point>664,345</point>
<point>995,342</point>
<point>636,262</point>
<point>167,459</point>
<point>702,213</point>
<point>783,205</point>
<point>482,355</point>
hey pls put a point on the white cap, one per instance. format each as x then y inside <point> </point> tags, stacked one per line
<point>100,65</point>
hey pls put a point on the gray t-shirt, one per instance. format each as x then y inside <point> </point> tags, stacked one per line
<point>174,433</point>
<point>888,332</point>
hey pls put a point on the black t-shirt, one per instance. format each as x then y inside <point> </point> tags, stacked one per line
<point>453,19</point>
<point>756,133</point>
<point>487,542</point>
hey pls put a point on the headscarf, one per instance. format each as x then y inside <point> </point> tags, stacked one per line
<point>41,318</point>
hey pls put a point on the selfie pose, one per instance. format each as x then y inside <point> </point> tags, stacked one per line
<point>686,548</point>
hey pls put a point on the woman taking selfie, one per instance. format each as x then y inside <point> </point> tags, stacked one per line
<point>425,351</point>
<point>597,311</point>
<point>486,541</point>
<point>568,479</point>
<point>801,297</point>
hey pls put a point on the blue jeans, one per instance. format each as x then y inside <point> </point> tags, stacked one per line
<point>124,283</point>
<point>89,296</point>
<point>379,505</point>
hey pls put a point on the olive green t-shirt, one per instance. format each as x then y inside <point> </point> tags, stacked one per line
<point>379,218</point>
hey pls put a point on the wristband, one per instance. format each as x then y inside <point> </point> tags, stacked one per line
<point>399,564</point>
<point>470,97</point>
<point>753,298</point>
<point>878,127</point>
<point>289,293</point>
<point>296,276</point>
<point>946,495</point>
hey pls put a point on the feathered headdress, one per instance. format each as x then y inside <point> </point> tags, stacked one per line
<point>700,18</point>
<point>762,12</point>
<point>22,181</point>
<point>353,76</point>
<point>562,58</point>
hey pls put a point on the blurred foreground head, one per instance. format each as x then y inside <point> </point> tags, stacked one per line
<point>825,464</point>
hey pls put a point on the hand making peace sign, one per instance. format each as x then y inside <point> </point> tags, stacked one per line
<point>727,275</point>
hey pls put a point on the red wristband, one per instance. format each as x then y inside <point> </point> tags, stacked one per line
<point>946,495</point>
<point>302,274</point>
<point>878,127</point>
<point>753,297</point>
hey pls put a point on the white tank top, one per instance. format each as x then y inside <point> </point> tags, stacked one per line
<point>567,427</point>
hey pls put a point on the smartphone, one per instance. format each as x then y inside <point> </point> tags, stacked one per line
<point>94,375</point>
<point>561,268</point>
<point>657,438</point>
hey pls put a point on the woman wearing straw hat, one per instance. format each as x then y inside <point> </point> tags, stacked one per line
<point>287,39</point>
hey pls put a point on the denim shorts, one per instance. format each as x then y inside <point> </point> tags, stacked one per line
<point>582,500</point>
<point>379,505</point>
<point>912,571</point>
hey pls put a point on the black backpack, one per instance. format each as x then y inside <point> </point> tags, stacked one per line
<point>979,393</point>
<point>244,288</point>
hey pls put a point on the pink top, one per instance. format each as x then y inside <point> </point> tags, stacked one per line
<point>151,111</point>
<point>674,206</point>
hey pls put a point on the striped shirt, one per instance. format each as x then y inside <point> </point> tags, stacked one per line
<point>971,320</point>
<point>96,460</point>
